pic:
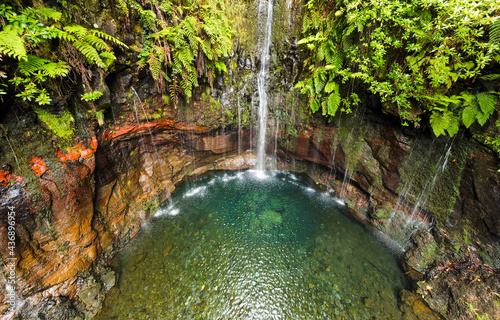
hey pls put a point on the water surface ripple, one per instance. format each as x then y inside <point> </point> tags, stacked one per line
<point>239,245</point>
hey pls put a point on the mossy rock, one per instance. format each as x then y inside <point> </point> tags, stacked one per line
<point>270,219</point>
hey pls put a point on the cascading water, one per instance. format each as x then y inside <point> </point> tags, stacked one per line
<point>409,224</point>
<point>262,85</point>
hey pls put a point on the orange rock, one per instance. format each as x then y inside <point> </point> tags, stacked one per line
<point>38,166</point>
<point>93,143</point>
<point>108,135</point>
<point>4,177</point>
<point>78,151</point>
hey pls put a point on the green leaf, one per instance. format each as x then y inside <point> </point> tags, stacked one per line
<point>333,103</point>
<point>439,123</point>
<point>482,118</point>
<point>490,77</point>
<point>487,102</point>
<point>495,32</point>
<point>319,81</point>
<point>12,45</point>
<point>331,86</point>
<point>453,126</point>
<point>469,115</point>
<point>315,105</point>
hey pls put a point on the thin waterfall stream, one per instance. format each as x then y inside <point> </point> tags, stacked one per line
<point>262,86</point>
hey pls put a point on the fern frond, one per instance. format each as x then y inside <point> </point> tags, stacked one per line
<point>333,103</point>
<point>89,52</point>
<point>469,115</point>
<point>35,64</point>
<point>12,45</point>
<point>63,35</point>
<point>186,88</point>
<point>207,49</point>
<point>173,88</point>
<point>319,81</point>
<point>49,13</point>
<point>148,20</point>
<point>96,42</point>
<point>495,32</point>
<point>154,66</point>
<point>31,65</point>
<point>347,41</point>
<point>160,53</point>
<point>107,57</point>
<point>77,30</point>
<point>107,37</point>
<point>56,69</point>
<point>487,102</point>
<point>193,79</point>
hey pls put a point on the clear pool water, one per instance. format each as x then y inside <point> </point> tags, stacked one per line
<point>242,245</point>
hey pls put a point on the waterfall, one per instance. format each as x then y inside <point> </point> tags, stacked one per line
<point>403,226</point>
<point>262,86</point>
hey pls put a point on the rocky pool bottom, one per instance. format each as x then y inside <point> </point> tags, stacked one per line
<point>254,245</point>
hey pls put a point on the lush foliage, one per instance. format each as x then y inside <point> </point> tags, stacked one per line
<point>25,31</point>
<point>418,56</point>
<point>185,40</point>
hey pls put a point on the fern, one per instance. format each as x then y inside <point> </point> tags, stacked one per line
<point>148,19</point>
<point>439,123</point>
<point>107,37</point>
<point>487,102</point>
<point>332,86</point>
<point>96,42</point>
<point>77,30</point>
<point>89,52</point>
<point>12,45</point>
<point>155,66</point>
<point>107,57</point>
<point>63,35</point>
<point>33,65</point>
<point>319,81</point>
<point>189,42</point>
<point>469,115</point>
<point>49,13</point>
<point>495,32</point>
<point>333,103</point>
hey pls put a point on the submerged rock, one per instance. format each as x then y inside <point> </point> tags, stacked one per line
<point>270,219</point>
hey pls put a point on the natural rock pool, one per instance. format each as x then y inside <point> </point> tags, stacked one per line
<point>244,245</point>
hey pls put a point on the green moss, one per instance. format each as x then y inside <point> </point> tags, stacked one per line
<point>383,213</point>
<point>436,188</point>
<point>61,125</point>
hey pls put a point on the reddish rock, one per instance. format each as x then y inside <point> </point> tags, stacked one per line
<point>38,166</point>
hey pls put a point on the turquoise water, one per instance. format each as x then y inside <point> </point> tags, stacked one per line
<point>239,245</point>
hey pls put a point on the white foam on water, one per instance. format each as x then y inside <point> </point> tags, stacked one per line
<point>259,174</point>
<point>196,192</point>
<point>339,201</point>
<point>169,211</point>
<point>309,189</point>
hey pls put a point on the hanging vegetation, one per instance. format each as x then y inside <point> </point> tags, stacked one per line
<point>185,40</point>
<point>418,57</point>
<point>26,30</point>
